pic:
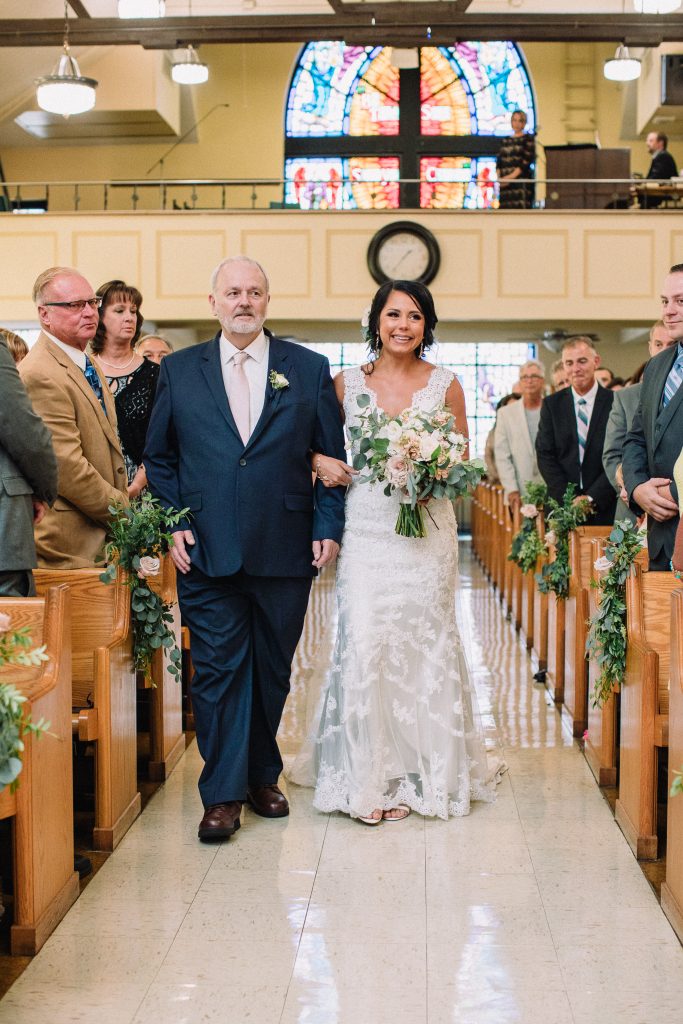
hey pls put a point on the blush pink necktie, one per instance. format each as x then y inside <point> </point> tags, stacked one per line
<point>239,396</point>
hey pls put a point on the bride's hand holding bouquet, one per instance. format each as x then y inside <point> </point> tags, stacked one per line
<point>418,454</point>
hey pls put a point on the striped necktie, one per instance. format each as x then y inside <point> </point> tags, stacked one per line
<point>95,383</point>
<point>582,426</point>
<point>673,381</point>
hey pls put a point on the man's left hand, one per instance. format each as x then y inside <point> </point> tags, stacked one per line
<point>324,552</point>
<point>39,510</point>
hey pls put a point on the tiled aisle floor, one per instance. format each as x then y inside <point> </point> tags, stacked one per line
<point>530,910</point>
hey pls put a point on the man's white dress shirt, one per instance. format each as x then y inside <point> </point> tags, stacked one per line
<point>255,368</point>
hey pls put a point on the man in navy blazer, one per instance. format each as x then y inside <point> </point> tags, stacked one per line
<point>236,452</point>
<point>655,439</point>
<point>558,441</point>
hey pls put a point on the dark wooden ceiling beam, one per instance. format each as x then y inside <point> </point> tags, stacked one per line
<point>356,28</point>
<point>79,9</point>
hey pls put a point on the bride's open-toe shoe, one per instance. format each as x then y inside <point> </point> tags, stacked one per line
<point>371,820</point>
<point>398,813</point>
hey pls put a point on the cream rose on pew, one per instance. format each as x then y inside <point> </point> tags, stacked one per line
<point>550,537</point>
<point>5,622</point>
<point>148,567</point>
<point>529,511</point>
<point>602,564</point>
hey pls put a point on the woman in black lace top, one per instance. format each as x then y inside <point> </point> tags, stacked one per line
<point>131,378</point>
<point>516,159</point>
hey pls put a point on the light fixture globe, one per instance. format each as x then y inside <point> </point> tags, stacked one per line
<point>142,8</point>
<point>656,6</point>
<point>66,91</point>
<point>622,67</point>
<point>189,70</point>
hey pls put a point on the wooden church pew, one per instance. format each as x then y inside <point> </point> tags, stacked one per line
<point>540,612</point>
<point>644,707</point>
<point>575,698</point>
<point>45,883</point>
<point>554,678</point>
<point>167,741</point>
<point>103,694</point>
<point>672,887</point>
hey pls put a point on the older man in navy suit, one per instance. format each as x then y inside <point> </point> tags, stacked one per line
<point>233,426</point>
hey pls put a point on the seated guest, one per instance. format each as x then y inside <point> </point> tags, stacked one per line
<point>16,345</point>
<point>558,377</point>
<point>28,479</point>
<point>132,379</point>
<point>515,435</point>
<point>73,400</point>
<point>604,376</point>
<point>489,453</point>
<point>154,347</point>
<point>662,168</point>
<point>619,423</point>
<point>653,443</point>
<point>571,433</point>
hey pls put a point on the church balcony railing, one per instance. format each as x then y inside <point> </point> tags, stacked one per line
<point>243,194</point>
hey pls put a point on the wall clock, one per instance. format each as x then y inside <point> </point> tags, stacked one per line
<point>404,251</point>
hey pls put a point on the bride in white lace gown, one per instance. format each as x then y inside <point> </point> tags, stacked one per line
<point>396,726</point>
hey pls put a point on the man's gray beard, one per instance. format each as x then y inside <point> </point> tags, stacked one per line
<point>240,327</point>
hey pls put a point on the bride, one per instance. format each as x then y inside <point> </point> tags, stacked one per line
<point>396,728</point>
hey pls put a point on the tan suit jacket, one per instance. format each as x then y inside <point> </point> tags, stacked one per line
<point>92,473</point>
<point>515,453</point>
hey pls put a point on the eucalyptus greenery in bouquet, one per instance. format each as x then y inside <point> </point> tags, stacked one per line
<point>527,546</point>
<point>677,784</point>
<point>417,454</point>
<point>606,640</point>
<point>15,649</point>
<point>562,519</point>
<point>140,534</point>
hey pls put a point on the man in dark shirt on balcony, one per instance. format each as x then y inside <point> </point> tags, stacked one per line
<point>662,168</point>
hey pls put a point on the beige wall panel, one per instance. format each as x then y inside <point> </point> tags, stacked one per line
<point>104,255</point>
<point>286,258</point>
<point>461,271</point>
<point>676,253</point>
<point>346,268</point>
<point>532,264</point>
<point>25,255</point>
<point>619,264</point>
<point>185,260</point>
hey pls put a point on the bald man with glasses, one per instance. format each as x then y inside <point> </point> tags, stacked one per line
<point>75,403</point>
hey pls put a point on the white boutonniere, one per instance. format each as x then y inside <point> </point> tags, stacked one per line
<point>278,381</point>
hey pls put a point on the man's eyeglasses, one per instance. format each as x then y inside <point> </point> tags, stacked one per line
<point>531,376</point>
<point>78,305</point>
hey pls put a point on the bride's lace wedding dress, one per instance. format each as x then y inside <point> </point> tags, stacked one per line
<point>396,721</point>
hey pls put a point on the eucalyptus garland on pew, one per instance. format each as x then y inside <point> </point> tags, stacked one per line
<point>563,519</point>
<point>140,534</point>
<point>606,640</point>
<point>15,649</point>
<point>527,546</point>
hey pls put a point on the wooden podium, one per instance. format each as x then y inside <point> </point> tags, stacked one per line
<point>585,162</point>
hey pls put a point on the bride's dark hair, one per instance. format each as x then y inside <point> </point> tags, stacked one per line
<point>421,296</point>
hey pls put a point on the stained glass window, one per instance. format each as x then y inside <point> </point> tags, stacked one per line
<point>353,119</point>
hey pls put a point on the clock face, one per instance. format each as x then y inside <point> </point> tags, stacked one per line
<point>404,256</point>
<point>403,251</point>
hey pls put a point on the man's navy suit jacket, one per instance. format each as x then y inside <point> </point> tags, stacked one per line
<point>253,506</point>
<point>557,451</point>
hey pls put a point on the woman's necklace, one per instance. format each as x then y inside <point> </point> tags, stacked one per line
<point>117,366</point>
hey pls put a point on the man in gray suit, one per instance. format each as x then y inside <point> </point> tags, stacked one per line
<point>28,479</point>
<point>654,442</point>
<point>515,435</point>
<point>619,423</point>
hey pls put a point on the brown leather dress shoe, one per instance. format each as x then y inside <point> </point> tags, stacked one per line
<point>268,801</point>
<point>220,821</point>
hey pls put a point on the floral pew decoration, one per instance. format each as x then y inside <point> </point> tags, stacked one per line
<point>140,534</point>
<point>527,546</point>
<point>15,649</point>
<point>562,520</point>
<point>606,641</point>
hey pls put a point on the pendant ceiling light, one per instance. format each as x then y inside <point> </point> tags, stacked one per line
<point>622,67</point>
<point>142,8</point>
<point>189,70</point>
<point>656,6</point>
<point>66,91</point>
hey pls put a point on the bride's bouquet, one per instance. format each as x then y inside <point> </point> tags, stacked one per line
<point>418,454</point>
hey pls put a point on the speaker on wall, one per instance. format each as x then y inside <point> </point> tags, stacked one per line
<point>672,79</point>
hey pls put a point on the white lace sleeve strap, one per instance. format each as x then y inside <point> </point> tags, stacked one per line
<point>354,385</point>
